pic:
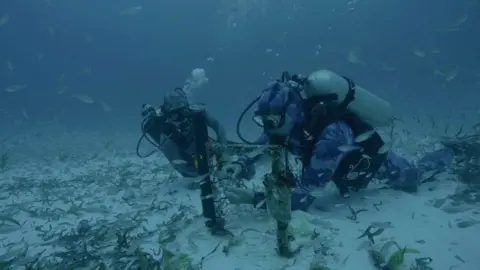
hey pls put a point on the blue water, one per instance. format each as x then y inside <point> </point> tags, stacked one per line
<point>136,59</point>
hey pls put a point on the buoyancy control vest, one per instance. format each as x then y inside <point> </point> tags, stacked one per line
<point>359,165</point>
<point>181,135</point>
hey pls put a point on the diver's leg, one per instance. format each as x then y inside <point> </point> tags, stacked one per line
<point>436,160</point>
<point>401,174</point>
<point>407,177</point>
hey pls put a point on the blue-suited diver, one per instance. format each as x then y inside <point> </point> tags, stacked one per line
<point>328,123</point>
<point>169,128</point>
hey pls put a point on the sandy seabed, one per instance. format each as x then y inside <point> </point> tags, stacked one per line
<point>114,207</point>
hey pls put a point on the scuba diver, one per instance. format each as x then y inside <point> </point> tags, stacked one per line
<point>169,128</point>
<point>328,123</point>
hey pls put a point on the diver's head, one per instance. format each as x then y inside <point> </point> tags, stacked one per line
<point>175,105</point>
<point>278,110</point>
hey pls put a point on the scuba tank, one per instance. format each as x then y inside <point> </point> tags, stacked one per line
<point>371,109</point>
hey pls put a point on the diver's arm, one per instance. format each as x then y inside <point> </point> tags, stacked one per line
<point>218,129</point>
<point>321,167</point>
<point>249,159</point>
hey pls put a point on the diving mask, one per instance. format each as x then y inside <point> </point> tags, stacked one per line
<point>177,116</point>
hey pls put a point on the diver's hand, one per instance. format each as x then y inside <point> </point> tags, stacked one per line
<point>232,170</point>
<point>239,195</point>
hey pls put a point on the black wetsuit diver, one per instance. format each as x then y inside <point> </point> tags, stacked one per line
<point>170,129</point>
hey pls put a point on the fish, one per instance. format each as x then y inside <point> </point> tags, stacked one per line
<point>131,11</point>
<point>4,19</point>
<point>364,136</point>
<point>24,113</point>
<point>461,21</point>
<point>105,106</point>
<point>387,68</point>
<point>86,71</point>
<point>9,65</point>
<point>348,148</point>
<point>451,75</point>
<point>62,85</point>
<point>84,98</point>
<point>419,53</point>
<point>353,56</point>
<point>15,88</point>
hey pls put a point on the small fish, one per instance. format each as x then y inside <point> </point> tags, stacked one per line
<point>388,68</point>
<point>179,162</point>
<point>24,113</point>
<point>461,21</point>
<point>62,85</point>
<point>353,56</point>
<point>131,11</point>
<point>419,53</point>
<point>459,258</point>
<point>106,107</point>
<point>364,136</point>
<point>61,90</point>
<point>84,98</point>
<point>348,148</point>
<point>4,19</point>
<point>451,75</point>
<point>15,88</point>
<point>86,71</point>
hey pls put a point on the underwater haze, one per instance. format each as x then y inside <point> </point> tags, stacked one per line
<point>421,56</point>
<point>75,73</point>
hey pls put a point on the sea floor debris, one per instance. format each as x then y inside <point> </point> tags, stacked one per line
<point>127,213</point>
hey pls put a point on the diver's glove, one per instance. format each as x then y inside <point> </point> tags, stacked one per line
<point>240,195</point>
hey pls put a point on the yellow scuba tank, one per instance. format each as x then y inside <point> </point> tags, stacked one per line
<point>371,109</point>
